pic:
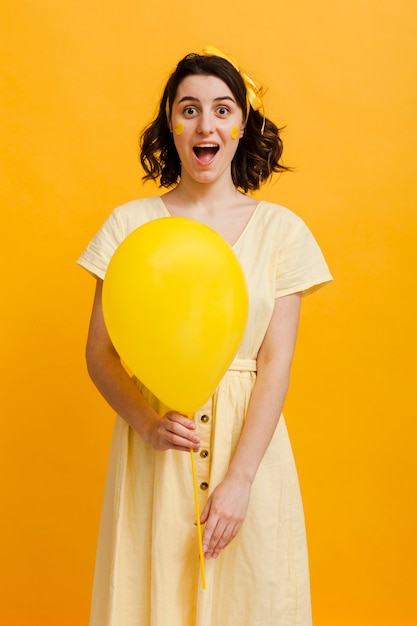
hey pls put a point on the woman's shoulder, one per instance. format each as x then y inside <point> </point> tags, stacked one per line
<point>301,265</point>
<point>140,207</point>
<point>132,214</point>
<point>276,217</point>
<point>123,220</point>
<point>278,211</point>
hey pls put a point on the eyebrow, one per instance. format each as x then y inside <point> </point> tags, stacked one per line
<point>194,99</point>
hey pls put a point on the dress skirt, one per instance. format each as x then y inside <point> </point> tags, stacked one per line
<point>147,567</point>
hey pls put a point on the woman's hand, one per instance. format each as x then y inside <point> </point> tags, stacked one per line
<point>227,506</point>
<point>174,431</point>
<point>224,514</point>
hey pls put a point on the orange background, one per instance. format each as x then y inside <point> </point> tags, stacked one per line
<point>79,81</point>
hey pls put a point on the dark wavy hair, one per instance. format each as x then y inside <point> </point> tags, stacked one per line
<point>257,156</point>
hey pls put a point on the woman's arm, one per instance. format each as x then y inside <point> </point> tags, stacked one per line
<point>111,379</point>
<point>226,508</point>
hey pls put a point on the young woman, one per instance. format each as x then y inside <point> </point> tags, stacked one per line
<point>210,144</point>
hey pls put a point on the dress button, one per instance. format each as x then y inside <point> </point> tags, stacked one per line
<point>203,486</point>
<point>204,418</point>
<point>204,453</point>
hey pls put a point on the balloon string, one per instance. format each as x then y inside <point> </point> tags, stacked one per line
<point>197,512</point>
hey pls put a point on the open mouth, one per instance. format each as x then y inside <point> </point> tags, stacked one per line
<point>205,153</point>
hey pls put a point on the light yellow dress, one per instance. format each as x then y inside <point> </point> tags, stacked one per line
<point>147,566</point>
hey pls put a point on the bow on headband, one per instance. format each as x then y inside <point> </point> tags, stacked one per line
<point>253,96</point>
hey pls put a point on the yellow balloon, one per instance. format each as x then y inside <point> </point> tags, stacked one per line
<point>175,306</point>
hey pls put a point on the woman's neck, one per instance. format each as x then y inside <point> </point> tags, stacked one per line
<point>204,198</point>
<point>226,210</point>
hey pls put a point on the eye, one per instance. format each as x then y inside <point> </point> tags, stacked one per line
<point>189,111</point>
<point>222,111</point>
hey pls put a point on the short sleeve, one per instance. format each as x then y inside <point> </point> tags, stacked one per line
<point>101,248</point>
<point>120,223</point>
<point>301,266</point>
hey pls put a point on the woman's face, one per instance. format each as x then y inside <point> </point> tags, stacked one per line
<point>207,124</point>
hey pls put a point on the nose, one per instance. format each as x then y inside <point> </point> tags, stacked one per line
<point>205,123</point>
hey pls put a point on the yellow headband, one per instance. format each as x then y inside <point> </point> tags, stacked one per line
<point>253,95</point>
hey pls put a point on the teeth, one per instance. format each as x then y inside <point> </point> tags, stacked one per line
<point>206,145</point>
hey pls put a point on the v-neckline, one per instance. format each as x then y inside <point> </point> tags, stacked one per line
<point>241,235</point>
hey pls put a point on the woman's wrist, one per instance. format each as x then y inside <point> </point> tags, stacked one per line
<point>241,473</point>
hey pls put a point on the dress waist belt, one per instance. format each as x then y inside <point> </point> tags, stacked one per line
<point>243,365</point>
